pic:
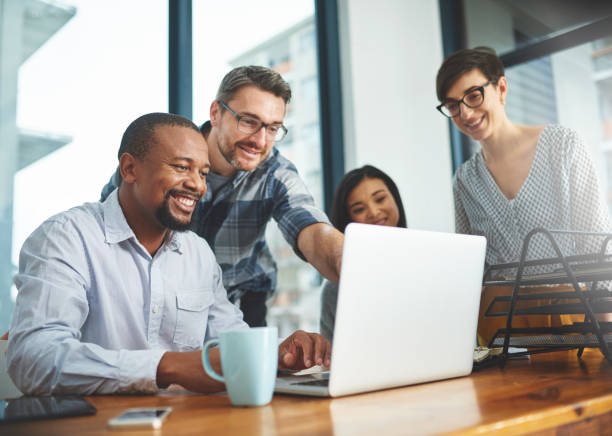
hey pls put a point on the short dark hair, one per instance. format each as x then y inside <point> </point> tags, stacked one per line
<point>462,61</point>
<point>339,214</point>
<point>139,134</point>
<point>264,78</point>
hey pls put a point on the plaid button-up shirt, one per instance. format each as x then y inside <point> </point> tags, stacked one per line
<point>233,220</point>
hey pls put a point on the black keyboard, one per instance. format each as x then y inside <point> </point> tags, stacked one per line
<point>323,382</point>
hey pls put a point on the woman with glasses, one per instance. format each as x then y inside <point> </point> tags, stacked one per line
<point>524,176</point>
<point>364,195</point>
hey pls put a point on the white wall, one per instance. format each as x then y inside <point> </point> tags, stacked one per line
<point>391,51</point>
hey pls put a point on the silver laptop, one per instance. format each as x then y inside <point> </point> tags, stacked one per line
<point>407,311</point>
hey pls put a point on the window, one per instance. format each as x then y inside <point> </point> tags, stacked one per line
<point>79,74</point>
<point>80,71</point>
<point>309,89</point>
<point>308,42</point>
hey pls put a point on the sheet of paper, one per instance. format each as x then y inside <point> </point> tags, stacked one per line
<point>317,369</point>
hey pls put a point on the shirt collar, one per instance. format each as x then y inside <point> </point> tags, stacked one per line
<point>117,229</point>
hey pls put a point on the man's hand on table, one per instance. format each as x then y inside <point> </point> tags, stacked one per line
<point>302,350</point>
<point>186,369</point>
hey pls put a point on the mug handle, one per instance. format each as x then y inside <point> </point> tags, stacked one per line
<point>211,372</point>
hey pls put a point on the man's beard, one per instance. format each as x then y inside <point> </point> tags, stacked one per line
<point>165,217</point>
<point>229,156</point>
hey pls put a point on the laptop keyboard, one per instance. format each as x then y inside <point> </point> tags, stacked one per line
<point>323,382</point>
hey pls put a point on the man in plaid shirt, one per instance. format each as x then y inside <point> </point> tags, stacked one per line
<point>250,183</point>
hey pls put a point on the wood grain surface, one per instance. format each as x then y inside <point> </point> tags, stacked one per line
<point>548,394</point>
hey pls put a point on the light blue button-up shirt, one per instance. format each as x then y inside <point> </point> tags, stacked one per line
<point>95,312</point>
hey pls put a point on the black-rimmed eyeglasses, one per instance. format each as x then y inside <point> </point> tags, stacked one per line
<point>250,125</point>
<point>451,108</point>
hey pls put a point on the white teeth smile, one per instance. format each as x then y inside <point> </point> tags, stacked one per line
<point>186,201</point>
<point>474,124</point>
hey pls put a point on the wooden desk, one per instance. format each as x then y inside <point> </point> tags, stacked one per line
<point>548,392</point>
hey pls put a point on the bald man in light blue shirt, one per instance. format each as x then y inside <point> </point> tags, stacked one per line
<point>116,296</point>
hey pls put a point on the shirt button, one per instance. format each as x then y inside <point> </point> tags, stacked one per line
<point>155,308</point>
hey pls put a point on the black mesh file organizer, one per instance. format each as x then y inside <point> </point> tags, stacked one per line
<point>589,296</point>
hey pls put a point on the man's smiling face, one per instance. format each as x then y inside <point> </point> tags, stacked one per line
<point>242,151</point>
<point>172,176</point>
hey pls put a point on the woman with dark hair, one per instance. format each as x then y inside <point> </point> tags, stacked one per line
<point>364,195</point>
<point>524,176</point>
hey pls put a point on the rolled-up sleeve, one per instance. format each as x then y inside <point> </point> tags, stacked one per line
<point>45,354</point>
<point>294,207</point>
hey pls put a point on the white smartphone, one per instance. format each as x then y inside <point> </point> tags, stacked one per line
<point>150,417</point>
